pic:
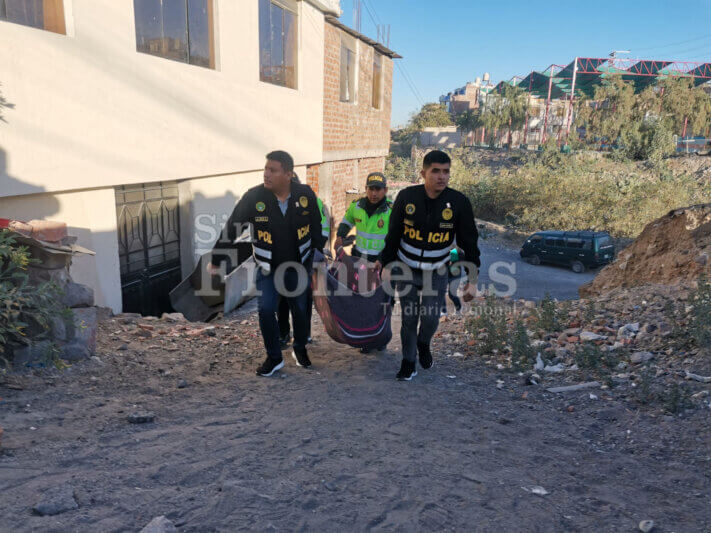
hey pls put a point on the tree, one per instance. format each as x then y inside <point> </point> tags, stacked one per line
<point>611,109</point>
<point>470,120</point>
<point>507,109</point>
<point>642,124</point>
<point>431,116</point>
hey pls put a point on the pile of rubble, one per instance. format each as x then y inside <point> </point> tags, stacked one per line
<point>673,249</point>
<point>73,334</point>
<point>615,341</point>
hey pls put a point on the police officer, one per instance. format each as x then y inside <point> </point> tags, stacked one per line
<point>283,308</point>
<point>425,221</point>
<point>287,228</point>
<point>370,215</point>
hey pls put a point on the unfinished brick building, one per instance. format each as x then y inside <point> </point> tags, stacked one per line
<point>357,101</point>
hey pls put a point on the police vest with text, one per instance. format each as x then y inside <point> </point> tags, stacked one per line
<point>282,236</point>
<point>428,237</point>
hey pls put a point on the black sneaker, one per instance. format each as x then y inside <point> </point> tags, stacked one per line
<point>425,355</point>
<point>285,341</point>
<point>270,366</point>
<point>301,357</point>
<point>408,371</point>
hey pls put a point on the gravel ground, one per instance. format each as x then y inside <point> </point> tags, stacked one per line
<point>338,447</point>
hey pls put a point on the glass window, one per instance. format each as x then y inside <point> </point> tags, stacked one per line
<point>603,241</point>
<point>536,238</point>
<point>278,31</point>
<point>348,72</point>
<point>550,242</point>
<point>377,79</point>
<point>574,243</point>
<point>43,14</point>
<point>181,30</point>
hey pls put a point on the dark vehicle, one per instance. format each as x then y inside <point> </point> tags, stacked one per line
<point>575,249</point>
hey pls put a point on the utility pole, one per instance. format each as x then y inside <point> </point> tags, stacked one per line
<point>357,10</point>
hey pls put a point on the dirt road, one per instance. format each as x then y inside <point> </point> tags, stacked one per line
<point>340,447</point>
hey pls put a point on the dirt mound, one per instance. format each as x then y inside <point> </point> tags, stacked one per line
<point>671,249</point>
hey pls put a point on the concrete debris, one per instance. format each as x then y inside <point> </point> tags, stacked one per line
<point>141,417</point>
<point>696,377</point>
<point>646,526</point>
<point>579,386</point>
<point>159,524</point>
<point>56,500</point>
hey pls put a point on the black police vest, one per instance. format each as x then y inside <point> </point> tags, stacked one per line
<point>279,238</point>
<point>428,237</point>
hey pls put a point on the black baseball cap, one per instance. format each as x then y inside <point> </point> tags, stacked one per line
<point>376,179</point>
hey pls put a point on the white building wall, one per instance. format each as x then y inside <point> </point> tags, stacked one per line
<point>87,111</point>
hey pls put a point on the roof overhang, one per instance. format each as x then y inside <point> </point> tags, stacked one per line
<point>367,40</point>
<point>330,7</point>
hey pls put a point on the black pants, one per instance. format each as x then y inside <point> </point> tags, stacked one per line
<point>283,314</point>
<point>453,283</point>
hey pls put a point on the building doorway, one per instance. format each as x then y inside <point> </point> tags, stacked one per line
<point>148,222</point>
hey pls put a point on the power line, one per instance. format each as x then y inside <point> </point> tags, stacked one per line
<point>373,14</point>
<point>412,88</point>
<point>657,47</point>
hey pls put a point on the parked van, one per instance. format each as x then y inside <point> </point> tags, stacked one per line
<point>576,249</point>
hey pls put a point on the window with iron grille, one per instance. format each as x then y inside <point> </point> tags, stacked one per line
<point>278,29</point>
<point>42,14</point>
<point>181,30</point>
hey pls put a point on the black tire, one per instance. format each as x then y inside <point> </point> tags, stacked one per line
<point>577,267</point>
<point>534,260</point>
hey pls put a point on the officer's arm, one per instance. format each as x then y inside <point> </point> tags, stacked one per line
<point>347,223</point>
<point>241,214</point>
<point>318,241</point>
<point>467,235</point>
<point>392,239</point>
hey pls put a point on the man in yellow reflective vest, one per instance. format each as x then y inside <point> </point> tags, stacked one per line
<point>370,216</point>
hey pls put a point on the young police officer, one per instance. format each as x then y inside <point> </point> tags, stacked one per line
<point>425,221</point>
<point>370,216</point>
<point>287,227</point>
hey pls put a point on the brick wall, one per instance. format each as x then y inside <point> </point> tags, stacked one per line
<point>354,126</point>
<point>356,136</point>
<point>312,177</point>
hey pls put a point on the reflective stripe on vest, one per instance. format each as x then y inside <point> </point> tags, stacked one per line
<point>370,230</point>
<point>421,265</point>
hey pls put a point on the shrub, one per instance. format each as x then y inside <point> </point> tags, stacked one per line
<point>546,315</point>
<point>523,356</point>
<point>25,310</point>
<point>492,320</point>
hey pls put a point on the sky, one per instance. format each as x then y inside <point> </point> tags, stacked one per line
<point>445,43</point>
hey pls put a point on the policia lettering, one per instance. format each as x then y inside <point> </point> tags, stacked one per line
<point>278,237</point>
<point>370,229</point>
<point>424,230</point>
